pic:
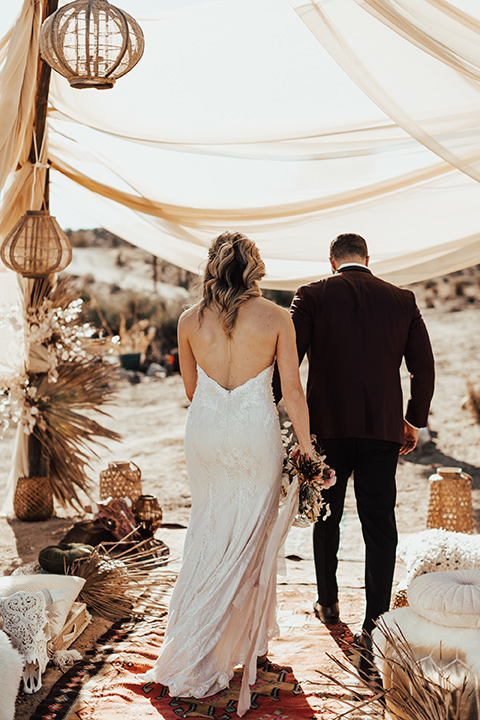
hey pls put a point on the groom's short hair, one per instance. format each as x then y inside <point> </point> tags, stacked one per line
<point>348,244</point>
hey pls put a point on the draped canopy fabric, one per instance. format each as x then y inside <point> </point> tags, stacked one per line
<point>290,120</point>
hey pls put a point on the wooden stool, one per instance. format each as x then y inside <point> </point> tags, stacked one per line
<point>450,503</point>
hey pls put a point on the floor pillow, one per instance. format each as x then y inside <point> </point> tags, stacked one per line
<point>450,598</point>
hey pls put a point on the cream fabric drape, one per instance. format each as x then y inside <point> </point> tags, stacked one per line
<point>343,115</point>
<point>23,184</point>
<point>18,58</point>
<point>438,28</point>
<point>357,115</point>
<point>18,75</point>
<point>342,26</point>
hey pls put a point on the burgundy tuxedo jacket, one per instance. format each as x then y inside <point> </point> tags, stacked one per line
<point>355,329</point>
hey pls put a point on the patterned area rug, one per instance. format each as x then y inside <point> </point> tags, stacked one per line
<point>103,686</point>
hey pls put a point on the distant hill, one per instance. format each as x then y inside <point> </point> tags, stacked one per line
<point>125,255</point>
<point>102,257</point>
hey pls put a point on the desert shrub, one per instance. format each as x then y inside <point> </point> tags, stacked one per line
<point>106,311</point>
<point>78,238</point>
<point>473,403</point>
<point>98,237</point>
<point>460,288</point>
<point>432,285</point>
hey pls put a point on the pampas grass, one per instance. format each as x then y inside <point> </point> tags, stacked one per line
<point>410,691</point>
<point>124,582</point>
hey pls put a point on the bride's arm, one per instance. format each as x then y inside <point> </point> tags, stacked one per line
<point>293,395</point>
<point>186,358</point>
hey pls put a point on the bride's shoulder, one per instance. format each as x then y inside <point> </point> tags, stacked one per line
<point>272,311</point>
<point>189,316</point>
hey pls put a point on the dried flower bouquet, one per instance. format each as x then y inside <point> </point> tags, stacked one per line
<point>314,476</point>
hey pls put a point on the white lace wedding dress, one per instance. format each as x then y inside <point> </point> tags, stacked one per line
<point>222,610</point>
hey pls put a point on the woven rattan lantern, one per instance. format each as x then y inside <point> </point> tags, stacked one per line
<point>91,43</point>
<point>450,502</point>
<point>36,246</point>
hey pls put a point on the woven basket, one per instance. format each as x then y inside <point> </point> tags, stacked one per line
<point>121,480</point>
<point>33,499</point>
<point>450,503</point>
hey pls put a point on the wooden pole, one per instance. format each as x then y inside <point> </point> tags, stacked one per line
<point>43,84</point>
<point>37,459</point>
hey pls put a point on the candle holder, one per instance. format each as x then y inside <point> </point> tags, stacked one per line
<point>148,514</point>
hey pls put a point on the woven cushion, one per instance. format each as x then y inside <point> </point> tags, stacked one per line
<point>449,598</point>
<point>57,612</point>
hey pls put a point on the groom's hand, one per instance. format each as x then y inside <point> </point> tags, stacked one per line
<point>410,439</point>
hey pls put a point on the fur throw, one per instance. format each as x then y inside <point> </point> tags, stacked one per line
<point>11,665</point>
<point>433,550</point>
<point>64,658</point>
<point>426,637</point>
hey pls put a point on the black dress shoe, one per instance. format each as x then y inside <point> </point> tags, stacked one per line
<point>364,661</point>
<point>327,614</point>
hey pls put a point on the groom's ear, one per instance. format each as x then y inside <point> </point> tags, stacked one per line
<point>367,260</point>
<point>333,264</point>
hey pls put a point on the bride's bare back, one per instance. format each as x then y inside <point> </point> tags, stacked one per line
<point>263,333</point>
<point>233,361</point>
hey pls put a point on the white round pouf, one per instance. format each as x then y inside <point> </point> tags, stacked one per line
<point>450,598</point>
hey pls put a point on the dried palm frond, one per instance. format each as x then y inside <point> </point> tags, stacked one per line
<point>413,689</point>
<point>128,583</point>
<point>65,432</point>
<point>76,385</point>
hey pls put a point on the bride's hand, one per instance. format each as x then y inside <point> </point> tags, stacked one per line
<point>309,452</point>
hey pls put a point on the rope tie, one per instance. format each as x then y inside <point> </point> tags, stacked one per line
<point>36,165</point>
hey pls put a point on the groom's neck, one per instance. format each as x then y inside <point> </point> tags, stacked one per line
<point>338,262</point>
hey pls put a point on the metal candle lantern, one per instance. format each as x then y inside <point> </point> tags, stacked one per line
<point>148,514</point>
<point>36,246</point>
<point>91,43</point>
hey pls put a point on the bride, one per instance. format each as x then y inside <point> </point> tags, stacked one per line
<point>222,610</point>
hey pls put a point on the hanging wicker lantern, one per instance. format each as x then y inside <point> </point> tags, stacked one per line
<point>36,246</point>
<point>91,43</point>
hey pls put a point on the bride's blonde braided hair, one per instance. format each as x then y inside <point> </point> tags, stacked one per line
<point>234,267</point>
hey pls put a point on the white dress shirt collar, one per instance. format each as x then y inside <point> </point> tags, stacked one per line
<point>351,264</point>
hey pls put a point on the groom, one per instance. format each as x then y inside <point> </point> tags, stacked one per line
<point>356,329</point>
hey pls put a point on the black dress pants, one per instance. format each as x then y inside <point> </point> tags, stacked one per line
<point>373,464</point>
